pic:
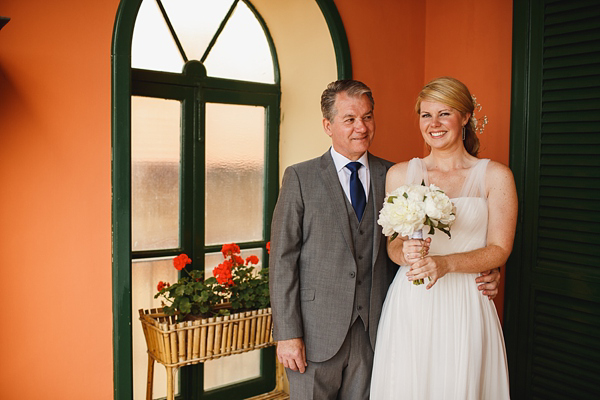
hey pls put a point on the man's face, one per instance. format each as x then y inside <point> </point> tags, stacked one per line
<point>353,126</point>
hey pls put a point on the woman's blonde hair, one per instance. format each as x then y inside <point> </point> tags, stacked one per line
<point>455,94</point>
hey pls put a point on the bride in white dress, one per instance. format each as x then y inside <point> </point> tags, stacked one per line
<point>443,340</point>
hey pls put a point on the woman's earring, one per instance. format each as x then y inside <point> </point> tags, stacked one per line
<point>463,132</point>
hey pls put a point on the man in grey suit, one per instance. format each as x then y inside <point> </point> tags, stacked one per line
<point>329,269</point>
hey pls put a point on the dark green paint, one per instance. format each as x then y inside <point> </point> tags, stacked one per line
<point>552,313</point>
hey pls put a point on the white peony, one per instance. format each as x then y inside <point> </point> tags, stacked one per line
<point>410,207</point>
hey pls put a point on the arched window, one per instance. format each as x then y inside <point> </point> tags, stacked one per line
<point>204,111</point>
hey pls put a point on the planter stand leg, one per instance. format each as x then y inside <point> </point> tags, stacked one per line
<point>149,383</point>
<point>171,383</point>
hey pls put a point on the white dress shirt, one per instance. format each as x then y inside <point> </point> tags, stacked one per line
<point>344,173</point>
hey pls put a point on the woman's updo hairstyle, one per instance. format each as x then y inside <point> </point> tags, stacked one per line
<point>455,94</point>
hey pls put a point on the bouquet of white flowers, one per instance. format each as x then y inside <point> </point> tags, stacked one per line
<point>409,208</point>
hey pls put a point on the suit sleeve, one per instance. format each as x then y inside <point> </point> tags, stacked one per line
<point>286,245</point>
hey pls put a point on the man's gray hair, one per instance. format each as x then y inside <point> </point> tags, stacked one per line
<point>351,87</point>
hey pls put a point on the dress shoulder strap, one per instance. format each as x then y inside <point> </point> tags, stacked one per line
<point>416,172</point>
<point>474,185</point>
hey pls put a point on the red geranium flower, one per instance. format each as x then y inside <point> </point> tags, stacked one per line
<point>162,285</point>
<point>230,249</point>
<point>222,273</point>
<point>181,261</point>
<point>252,260</point>
<point>237,260</point>
<point>268,247</point>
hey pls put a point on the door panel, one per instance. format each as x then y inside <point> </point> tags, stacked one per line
<point>552,320</point>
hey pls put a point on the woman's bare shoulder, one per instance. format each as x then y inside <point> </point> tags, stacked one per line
<point>499,177</point>
<point>396,176</point>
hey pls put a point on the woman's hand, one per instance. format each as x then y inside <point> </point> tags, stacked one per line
<point>414,250</point>
<point>432,268</point>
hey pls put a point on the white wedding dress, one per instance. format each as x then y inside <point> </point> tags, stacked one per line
<point>445,342</point>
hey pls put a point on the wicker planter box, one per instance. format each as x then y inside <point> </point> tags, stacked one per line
<point>177,344</point>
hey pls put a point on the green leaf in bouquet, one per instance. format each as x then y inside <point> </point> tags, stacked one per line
<point>392,198</point>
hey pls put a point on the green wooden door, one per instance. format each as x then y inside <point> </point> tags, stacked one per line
<point>552,319</point>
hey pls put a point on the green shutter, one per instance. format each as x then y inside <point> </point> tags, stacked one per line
<point>552,321</point>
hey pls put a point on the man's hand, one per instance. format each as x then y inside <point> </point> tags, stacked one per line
<point>292,354</point>
<point>490,281</point>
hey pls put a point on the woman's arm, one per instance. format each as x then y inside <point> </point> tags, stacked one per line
<point>502,218</point>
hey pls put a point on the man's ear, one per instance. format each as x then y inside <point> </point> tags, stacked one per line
<point>327,127</point>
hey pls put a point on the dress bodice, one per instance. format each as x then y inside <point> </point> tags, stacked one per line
<point>469,230</point>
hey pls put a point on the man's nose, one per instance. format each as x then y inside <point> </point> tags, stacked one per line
<point>360,125</point>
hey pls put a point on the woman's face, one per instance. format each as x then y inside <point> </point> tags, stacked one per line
<point>441,125</point>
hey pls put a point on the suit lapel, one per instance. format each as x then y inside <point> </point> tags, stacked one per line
<point>378,172</point>
<point>336,193</point>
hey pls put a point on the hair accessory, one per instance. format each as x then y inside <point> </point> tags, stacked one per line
<point>479,123</point>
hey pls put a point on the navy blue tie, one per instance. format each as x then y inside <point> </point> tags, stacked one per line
<point>357,192</point>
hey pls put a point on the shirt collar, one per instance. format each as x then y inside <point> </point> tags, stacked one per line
<point>340,161</point>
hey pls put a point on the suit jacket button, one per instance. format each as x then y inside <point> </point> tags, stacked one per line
<point>352,274</point>
<point>359,308</point>
<point>360,257</point>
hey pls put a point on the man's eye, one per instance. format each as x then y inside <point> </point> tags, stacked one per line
<point>350,121</point>
<point>368,118</point>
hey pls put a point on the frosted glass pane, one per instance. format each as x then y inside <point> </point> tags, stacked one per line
<point>145,275</point>
<point>231,369</point>
<point>195,22</point>
<point>153,46</point>
<point>242,51</point>
<point>235,156</point>
<point>239,367</point>
<point>155,170</point>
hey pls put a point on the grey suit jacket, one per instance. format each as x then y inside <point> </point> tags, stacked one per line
<point>312,270</point>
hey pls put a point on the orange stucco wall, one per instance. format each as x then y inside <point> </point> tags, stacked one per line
<point>55,234</point>
<point>55,240</point>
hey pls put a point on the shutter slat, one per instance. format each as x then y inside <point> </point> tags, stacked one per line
<point>569,272</point>
<point>571,61</point>
<point>569,247</point>
<point>569,259</point>
<point>576,71</point>
<point>582,82</point>
<point>575,127</point>
<point>573,15</point>
<point>570,138</point>
<point>590,47</point>
<point>567,226</point>
<point>566,193</point>
<point>568,94</point>
<point>572,38</point>
<point>555,7</point>
<point>586,205</point>
<point>570,161</point>
<point>571,182</point>
<point>570,27</point>
<point>571,150</point>
<point>575,172</point>
<point>575,116</point>
<point>573,105</point>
